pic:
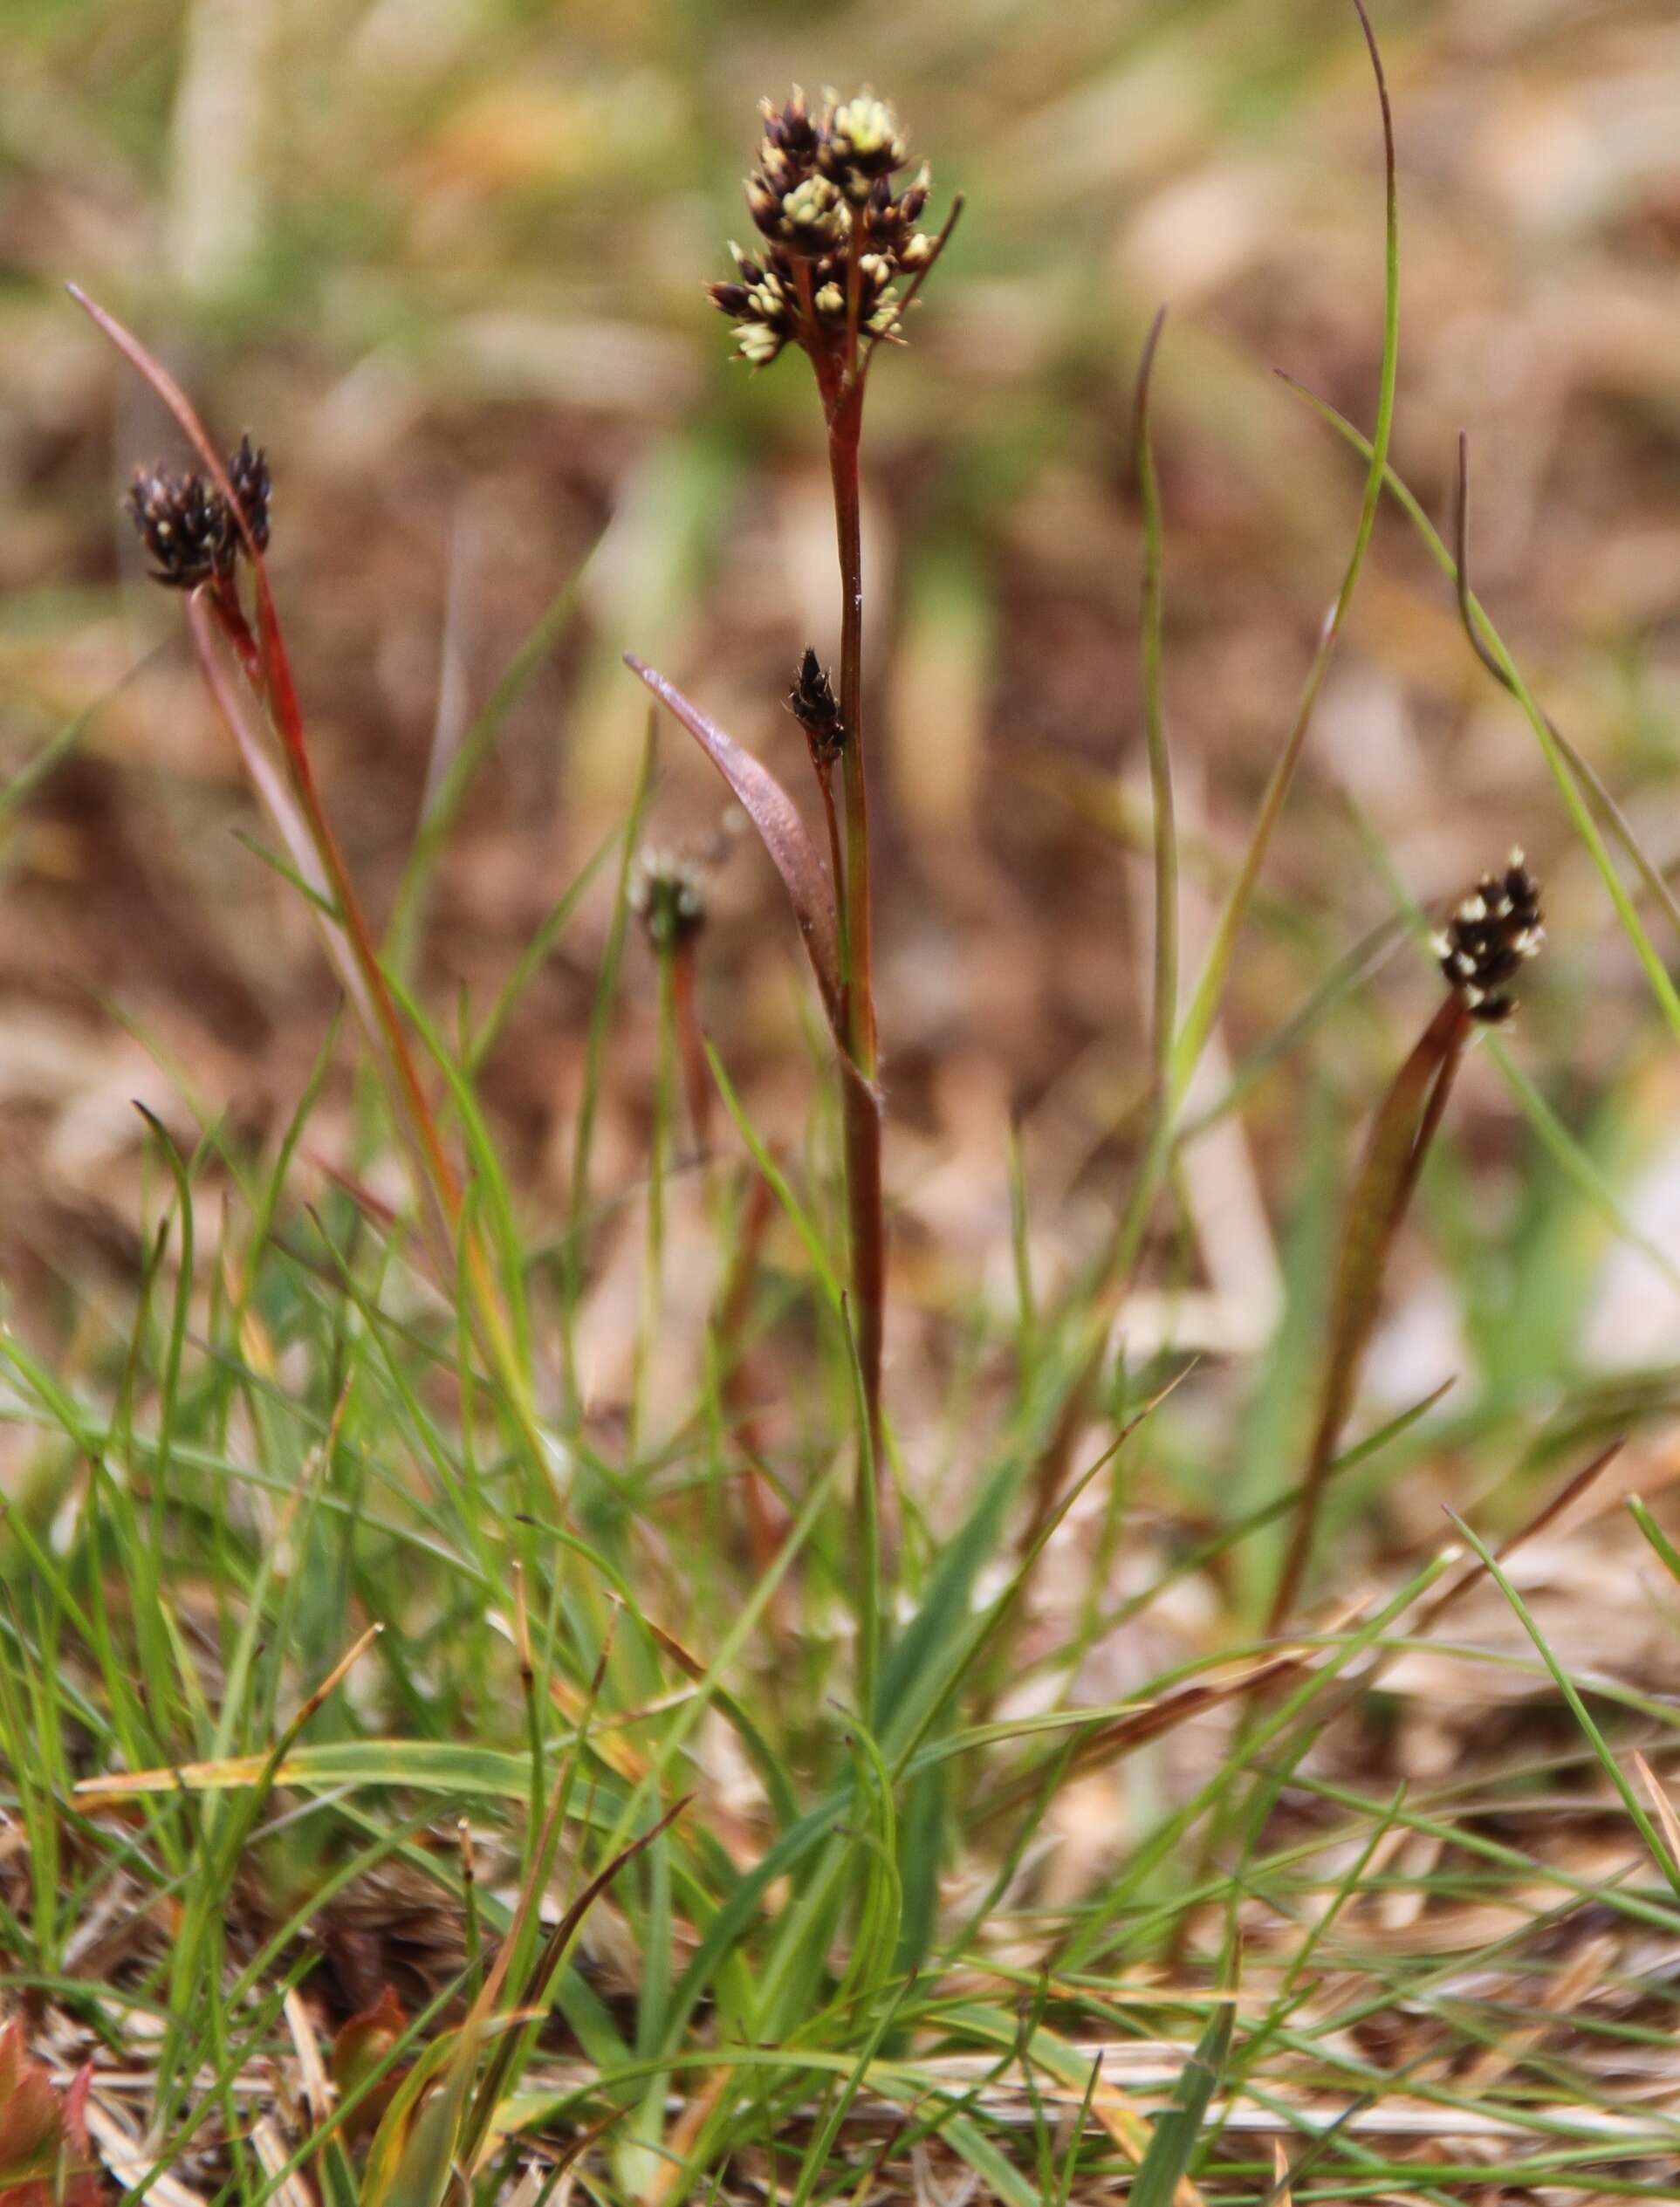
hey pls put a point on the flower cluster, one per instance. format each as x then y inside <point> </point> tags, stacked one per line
<point>838,238</point>
<point>1488,938</point>
<point>667,892</point>
<point>813,704</point>
<point>189,531</point>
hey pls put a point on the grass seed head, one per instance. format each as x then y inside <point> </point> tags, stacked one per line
<point>838,238</point>
<point>1489,939</point>
<point>187,527</point>
<point>248,471</point>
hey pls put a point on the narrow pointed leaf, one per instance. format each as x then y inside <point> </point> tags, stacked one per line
<point>1162,2179</point>
<point>1400,1139</point>
<point>781,831</point>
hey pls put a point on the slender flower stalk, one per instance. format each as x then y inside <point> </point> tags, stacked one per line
<point>843,257</point>
<point>199,529</point>
<point>1483,946</point>
<point>667,893</point>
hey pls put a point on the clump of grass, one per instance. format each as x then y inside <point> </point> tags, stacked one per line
<point>417,1789</point>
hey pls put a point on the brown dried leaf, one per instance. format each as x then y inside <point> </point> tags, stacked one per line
<point>360,2048</point>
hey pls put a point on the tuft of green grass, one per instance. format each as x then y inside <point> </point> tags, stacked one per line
<point>434,1770</point>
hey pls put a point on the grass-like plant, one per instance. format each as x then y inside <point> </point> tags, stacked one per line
<point>842,259</point>
<point>417,1790</point>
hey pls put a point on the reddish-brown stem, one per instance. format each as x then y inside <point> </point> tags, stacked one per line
<point>269,670</point>
<point>1428,1076</point>
<point>836,856</point>
<point>283,704</point>
<point>842,373</point>
<point>854,297</point>
<point>696,1074</point>
<point>844,430</point>
<point>259,670</point>
<point>439,1187</point>
<point>223,600</point>
<point>862,1099</point>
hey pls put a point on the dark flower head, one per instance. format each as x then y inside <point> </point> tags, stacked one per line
<point>668,894</point>
<point>1491,936</point>
<point>813,704</point>
<point>187,527</point>
<point>248,472</point>
<point>838,241</point>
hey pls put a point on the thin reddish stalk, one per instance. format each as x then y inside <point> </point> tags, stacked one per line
<point>859,1096</point>
<point>444,1187</point>
<point>269,670</point>
<point>836,852</point>
<point>844,431</point>
<point>1424,1083</point>
<point>696,1074</point>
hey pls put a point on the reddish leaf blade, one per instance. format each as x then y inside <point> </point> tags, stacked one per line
<point>360,2048</point>
<point>277,668</point>
<point>781,831</point>
<point>1399,1138</point>
<point>46,2158</point>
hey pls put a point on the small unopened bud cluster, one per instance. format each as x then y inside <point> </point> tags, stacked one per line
<point>1496,928</point>
<point>813,704</point>
<point>190,532</point>
<point>838,238</point>
<point>667,892</point>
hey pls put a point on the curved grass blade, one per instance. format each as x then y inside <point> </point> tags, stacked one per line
<point>1493,657</point>
<point>1163,2178</point>
<point>1571,1693</point>
<point>475,747</point>
<point>442,1766</point>
<point>1561,757</point>
<point>1204,1004</point>
<point>1165,1011</point>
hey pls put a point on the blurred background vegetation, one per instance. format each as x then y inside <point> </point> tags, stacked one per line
<point>443,258</point>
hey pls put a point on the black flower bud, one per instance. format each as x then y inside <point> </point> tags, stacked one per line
<point>185,526</point>
<point>813,704</point>
<point>248,473</point>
